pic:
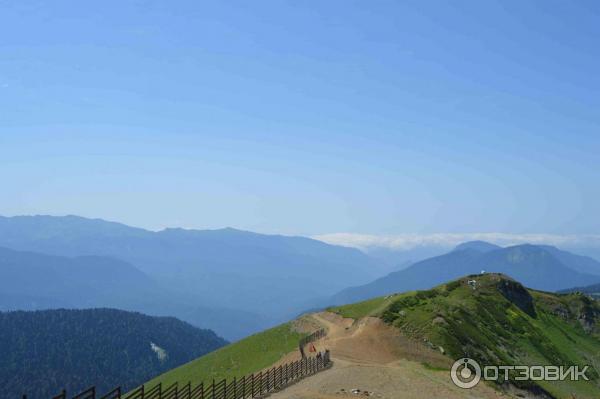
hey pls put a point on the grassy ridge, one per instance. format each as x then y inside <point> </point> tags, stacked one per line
<point>496,322</point>
<point>244,357</point>
<point>371,307</point>
<point>499,322</point>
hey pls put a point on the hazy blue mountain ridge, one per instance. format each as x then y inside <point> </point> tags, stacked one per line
<point>34,281</point>
<point>480,246</point>
<point>269,276</point>
<point>539,267</point>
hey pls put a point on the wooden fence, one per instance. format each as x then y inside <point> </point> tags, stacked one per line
<point>310,338</point>
<point>253,386</point>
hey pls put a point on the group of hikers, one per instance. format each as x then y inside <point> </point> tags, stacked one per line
<point>313,349</point>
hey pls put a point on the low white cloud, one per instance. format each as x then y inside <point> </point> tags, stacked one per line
<point>448,240</point>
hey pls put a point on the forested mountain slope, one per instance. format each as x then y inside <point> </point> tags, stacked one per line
<point>42,352</point>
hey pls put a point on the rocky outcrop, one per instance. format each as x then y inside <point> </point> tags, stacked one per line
<point>518,295</point>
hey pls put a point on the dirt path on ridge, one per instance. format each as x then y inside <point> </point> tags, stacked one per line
<point>374,357</point>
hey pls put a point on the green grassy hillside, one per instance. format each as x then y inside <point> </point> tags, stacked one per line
<point>496,322</point>
<point>499,322</point>
<point>244,357</point>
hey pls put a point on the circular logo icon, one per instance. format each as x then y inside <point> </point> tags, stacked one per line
<point>465,373</point>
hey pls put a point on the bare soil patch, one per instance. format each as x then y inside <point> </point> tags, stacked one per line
<point>372,359</point>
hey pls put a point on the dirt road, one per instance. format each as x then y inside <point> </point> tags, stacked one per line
<point>377,360</point>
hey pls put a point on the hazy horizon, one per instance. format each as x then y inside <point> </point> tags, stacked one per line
<point>405,241</point>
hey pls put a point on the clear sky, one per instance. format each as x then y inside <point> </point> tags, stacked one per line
<point>304,117</point>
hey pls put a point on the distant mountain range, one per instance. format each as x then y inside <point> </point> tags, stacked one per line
<point>592,290</point>
<point>34,281</point>
<point>30,280</point>
<point>43,352</point>
<point>540,267</point>
<point>397,251</point>
<point>234,281</point>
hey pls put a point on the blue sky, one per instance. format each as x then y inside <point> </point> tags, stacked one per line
<point>304,117</point>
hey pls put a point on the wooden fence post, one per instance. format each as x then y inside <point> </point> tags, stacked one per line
<point>294,371</point>
<point>280,383</point>
<point>261,383</point>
